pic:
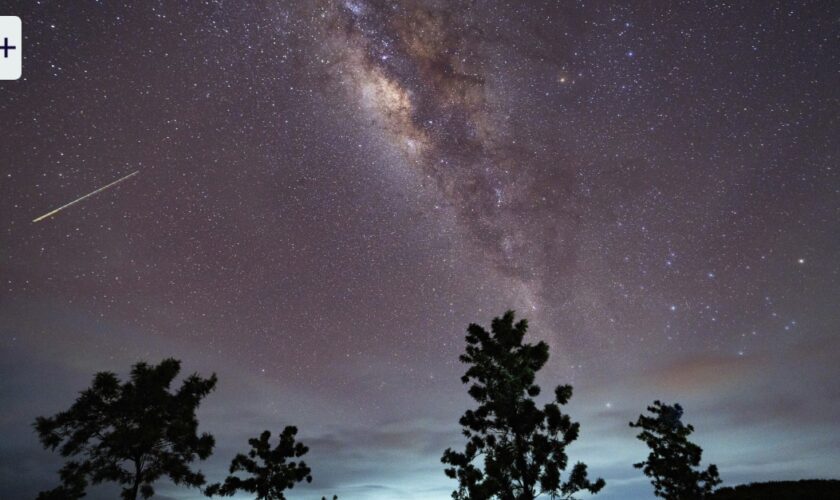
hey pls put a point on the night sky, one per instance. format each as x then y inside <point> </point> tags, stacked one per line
<point>330,191</point>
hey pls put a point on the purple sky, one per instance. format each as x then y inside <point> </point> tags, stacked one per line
<point>329,192</point>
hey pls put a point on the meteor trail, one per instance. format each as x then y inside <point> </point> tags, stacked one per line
<point>77,200</point>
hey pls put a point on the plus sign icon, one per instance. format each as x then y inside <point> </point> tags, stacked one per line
<point>11,41</point>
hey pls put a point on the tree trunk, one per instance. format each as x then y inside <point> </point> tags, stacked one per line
<point>135,488</point>
<point>132,493</point>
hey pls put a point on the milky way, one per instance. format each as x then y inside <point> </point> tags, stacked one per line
<point>331,191</point>
<point>421,74</point>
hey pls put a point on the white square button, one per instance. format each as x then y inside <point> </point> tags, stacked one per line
<point>11,42</point>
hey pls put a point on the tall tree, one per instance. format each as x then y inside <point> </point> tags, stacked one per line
<point>522,445</point>
<point>131,433</point>
<point>674,461</point>
<point>269,471</point>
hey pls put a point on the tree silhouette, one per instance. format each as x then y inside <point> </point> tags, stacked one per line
<point>73,487</point>
<point>270,478</point>
<point>522,445</point>
<point>673,461</point>
<point>131,433</point>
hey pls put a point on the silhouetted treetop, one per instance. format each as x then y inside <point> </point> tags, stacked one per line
<point>131,433</point>
<point>521,445</point>
<point>268,471</point>
<point>673,462</point>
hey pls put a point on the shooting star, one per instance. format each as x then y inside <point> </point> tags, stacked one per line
<point>103,188</point>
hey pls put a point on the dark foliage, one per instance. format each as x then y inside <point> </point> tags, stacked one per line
<point>72,489</point>
<point>522,445</point>
<point>673,462</point>
<point>131,433</point>
<point>269,472</point>
<point>810,489</point>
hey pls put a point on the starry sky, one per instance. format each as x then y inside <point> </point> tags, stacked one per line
<point>330,191</point>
